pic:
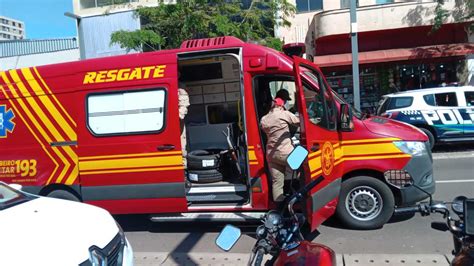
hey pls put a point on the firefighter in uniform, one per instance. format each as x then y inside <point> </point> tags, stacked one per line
<point>183,103</point>
<point>276,125</point>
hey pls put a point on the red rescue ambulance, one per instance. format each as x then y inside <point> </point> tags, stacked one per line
<point>107,132</point>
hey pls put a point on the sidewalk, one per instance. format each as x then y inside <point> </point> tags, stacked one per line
<point>163,258</point>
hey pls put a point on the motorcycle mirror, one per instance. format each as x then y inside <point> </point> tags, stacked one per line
<point>469,217</point>
<point>297,157</point>
<point>228,237</point>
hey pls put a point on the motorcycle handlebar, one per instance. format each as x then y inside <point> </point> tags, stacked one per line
<point>407,210</point>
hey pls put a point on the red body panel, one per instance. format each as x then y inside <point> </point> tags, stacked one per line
<point>51,146</point>
<point>307,253</point>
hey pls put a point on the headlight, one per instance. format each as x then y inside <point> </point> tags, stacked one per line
<point>96,257</point>
<point>414,148</point>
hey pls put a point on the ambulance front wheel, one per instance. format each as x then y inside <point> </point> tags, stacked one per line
<point>431,137</point>
<point>63,194</point>
<point>365,203</point>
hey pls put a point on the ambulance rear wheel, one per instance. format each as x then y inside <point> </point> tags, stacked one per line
<point>365,203</point>
<point>430,135</point>
<point>63,194</point>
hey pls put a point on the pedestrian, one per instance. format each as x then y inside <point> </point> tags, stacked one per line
<point>276,125</point>
<point>183,104</point>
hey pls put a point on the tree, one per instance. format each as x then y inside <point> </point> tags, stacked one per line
<point>167,25</point>
<point>463,11</point>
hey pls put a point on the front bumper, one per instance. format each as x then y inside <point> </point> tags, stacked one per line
<point>420,168</point>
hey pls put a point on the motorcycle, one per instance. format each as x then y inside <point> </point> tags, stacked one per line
<point>280,233</point>
<point>461,227</point>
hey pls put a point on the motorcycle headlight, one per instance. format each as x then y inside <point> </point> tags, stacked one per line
<point>414,148</point>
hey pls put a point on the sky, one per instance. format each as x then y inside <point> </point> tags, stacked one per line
<point>43,18</point>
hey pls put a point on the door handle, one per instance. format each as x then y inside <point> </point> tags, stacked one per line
<point>166,147</point>
<point>315,147</point>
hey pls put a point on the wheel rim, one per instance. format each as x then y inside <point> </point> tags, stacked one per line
<point>364,203</point>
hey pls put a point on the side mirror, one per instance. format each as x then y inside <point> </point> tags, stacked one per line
<point>469,217</point>
<point>228,237</point>
<point>297,157</point>
<point>345,118</point>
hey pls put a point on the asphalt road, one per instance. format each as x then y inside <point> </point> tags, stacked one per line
<point>454,172</point>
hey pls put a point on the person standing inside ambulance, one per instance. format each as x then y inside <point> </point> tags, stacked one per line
<point>183,104</point>
<point>276,125</point>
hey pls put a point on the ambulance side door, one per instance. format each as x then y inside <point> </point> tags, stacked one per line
<point>318,114</point>
<point>130,150</point>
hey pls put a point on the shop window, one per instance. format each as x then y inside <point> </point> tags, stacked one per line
<point>308,5</point>
<point>126,112</point>
<point>469,98</point>
<point>400,102</point>
<point>446,99</point>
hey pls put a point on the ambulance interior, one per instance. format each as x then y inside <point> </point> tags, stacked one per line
<point>213,175</point>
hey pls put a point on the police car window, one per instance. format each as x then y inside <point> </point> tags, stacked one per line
<point>469,98</point>
<point>126,112</point>
<point>400,102</point>
<point>429,99</point>
<point>446,99</point>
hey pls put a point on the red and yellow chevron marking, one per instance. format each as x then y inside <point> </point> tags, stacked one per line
<point>358,150</point>
<point>45,118</point>
<point>131,163</point>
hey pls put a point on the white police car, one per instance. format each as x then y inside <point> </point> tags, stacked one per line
<point>445,114</point>
<point>45,231</point>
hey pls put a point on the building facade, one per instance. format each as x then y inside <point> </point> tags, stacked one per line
<point>11,29</point>
<point>16,54</point>
<point>98,19</point>
<point>397,48</point>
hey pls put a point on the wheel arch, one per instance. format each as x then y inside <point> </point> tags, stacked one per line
<point>430,128</point>
<point>50,188</point>
<point>374,174</point>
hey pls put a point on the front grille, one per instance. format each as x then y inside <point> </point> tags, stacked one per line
<point>114,253</point>
<point>398,178</point>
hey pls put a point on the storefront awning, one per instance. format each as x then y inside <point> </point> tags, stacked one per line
<point>390,55</point>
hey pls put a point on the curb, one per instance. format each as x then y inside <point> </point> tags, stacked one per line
<point>197,258</point>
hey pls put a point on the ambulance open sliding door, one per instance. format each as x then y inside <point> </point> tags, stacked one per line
<point>318,114</point>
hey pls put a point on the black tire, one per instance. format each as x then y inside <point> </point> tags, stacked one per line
<point>63,194</point>
<point>365,203</point>
<point>431,137</point>
<point>203,160</point>
<point>204,176</point>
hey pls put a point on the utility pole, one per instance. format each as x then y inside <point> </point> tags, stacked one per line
<point>355,55</point>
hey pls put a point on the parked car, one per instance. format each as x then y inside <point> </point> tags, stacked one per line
<point>45,231</point>
<point>443,114</point>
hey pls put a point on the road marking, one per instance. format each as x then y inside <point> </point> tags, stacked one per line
<point>453,155</point>
<point>455,181</point>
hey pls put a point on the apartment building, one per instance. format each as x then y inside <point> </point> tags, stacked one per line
<point>397,50</point>
<point>98,19</point>
<point>11,29</point>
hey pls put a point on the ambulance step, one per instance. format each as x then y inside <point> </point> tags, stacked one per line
<point>218,197</point>
<point>209,217</point>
